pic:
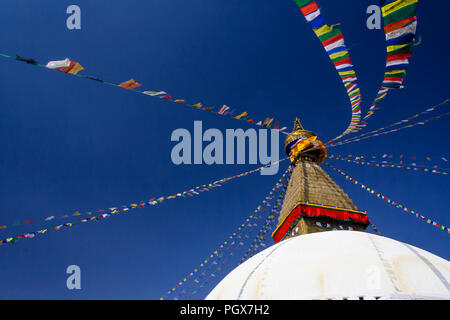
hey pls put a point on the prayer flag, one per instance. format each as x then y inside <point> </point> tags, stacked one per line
<point>130,84</point>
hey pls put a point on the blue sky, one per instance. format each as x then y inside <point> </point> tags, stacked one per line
<point>71,144</point>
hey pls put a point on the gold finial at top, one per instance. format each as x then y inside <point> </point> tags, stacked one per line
<point>297,132</point>
<point>318,152</point>
<point>297,125</point>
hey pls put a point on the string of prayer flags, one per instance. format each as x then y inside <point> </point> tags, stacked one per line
<point>73,67</point>
<point>387,164</point>
<point>402,159</point>
<point>400,25</point>
<point>105,213</point>
<point>265,205</point>
<point>333,42</point>
<point>392,202</point>
<point>257,243</point>
<point>268,225</point>
<point>428,110</point>
<point>228,240</point>
<point>359,138</point>
<point>217,263</point>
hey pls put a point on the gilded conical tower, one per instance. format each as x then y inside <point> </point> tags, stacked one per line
<point>313,201</point>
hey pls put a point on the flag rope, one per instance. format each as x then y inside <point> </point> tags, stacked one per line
<point>420,168</point>
<point>400,25</point>
<point>215,253</point>
<point>106,213</point>
<point>428,110</point>
<point>219,268</point>
<point>402,158</point>
<point>332,40</point>
<point>131,85</point>
<point>388,200</point>
<point>357,139</point>
<point>257,243</point>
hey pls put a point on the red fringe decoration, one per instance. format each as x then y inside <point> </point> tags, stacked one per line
<point>310,210</point>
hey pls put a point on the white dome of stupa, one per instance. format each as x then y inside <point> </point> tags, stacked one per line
<point>338,265</point>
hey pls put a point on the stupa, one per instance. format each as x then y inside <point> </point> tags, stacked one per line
<point>321,250</point>
<point>313,201</point>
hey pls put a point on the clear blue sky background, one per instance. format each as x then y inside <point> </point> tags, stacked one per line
<point>72,144</point>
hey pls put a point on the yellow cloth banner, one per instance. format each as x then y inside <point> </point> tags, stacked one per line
<point>338,54</point>
<point>396,5</point>
<point>322,30</point>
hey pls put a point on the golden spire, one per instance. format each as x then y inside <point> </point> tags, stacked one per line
<point>313,201</point>
<point>297,132</point>
<point>297,125</point>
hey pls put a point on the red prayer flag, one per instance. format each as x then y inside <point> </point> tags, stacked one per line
<point>310,7</point>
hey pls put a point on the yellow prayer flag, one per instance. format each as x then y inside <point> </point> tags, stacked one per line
<point>395,47</point>
<point>396,5</point>
<point>322,30</point>
<point>243,114</point>
<point>344,73</point>
<point>395,71</point>
<point>338,54</point>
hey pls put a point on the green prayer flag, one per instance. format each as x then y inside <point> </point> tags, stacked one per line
<point>403,13</point>
<point>334,32</point>
<point>302,3</point>
<point>345,56</point>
